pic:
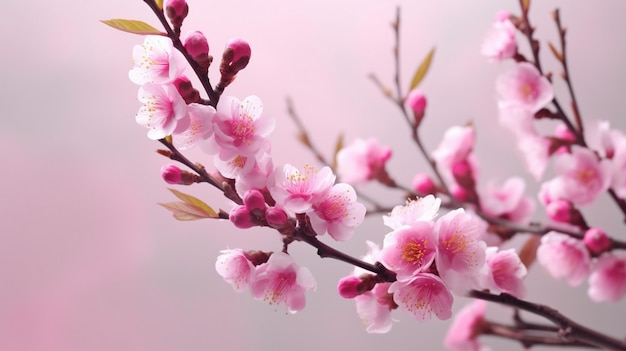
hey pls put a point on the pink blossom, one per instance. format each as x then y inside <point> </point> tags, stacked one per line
<point>240,126</point>
<point>517,119</point>
<point>507,201</point>
<point>423,209</point>
<point>466,327</point>
<point>423,295</point>
<point>254,201</point>
<point>417,103</point>
<point>581,176</point>
<point>456,146</point>
<point>499,44</point>
<point>156,61</point>
<point>596,240</point>
<point>505,271</point>
<point>409,250</point>
<point>525,86</point>
<point>200,128</point>
<point>252,173</point>
<point>536,152</point>
<point>423,184</point>
<point>338,213</point>
<point>164,112</point>
<point>564,257</point>
<point>363,160</point>
<point>374,308</point>
<point>235,268</point>
<point>297,191</point>
<point>608,279</point>
<point>281,280</point>
<point>460,250</point>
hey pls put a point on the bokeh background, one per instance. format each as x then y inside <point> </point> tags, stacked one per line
<point>88,261</point>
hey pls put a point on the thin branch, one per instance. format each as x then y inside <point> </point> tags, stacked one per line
<point>304,135</point>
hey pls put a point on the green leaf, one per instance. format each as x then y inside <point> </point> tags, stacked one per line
<point>195,202</point>
<point>132,26</point>
<point>184,211</point>
<point>422,70</point>
<point>160,4</point>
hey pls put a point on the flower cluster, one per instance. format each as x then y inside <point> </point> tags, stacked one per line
<point>431,258</point>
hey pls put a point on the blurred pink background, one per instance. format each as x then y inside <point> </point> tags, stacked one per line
<point>88,261</point>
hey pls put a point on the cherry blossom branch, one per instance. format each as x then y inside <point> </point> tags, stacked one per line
<point>214,97</point>
<point>304,135</point>
<point>528,339</point>
<point>568,329</point>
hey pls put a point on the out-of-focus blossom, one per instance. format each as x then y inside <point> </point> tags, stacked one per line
<point>524,86</point>
<point>156,61</point>
<point>508,200</point>
<point>235,268</point>
<point>505,271</point>
<point>466,327</point>
<point>423,295</point>
<point>281,280</point>
<point>456,146</point>
<point>499,43</point>
<point>409,249</point>
<point>423,184</point>
<point>338,213</point>
<point>535,150</point>
<point>362,161</point>
<point>596,240</point>
<point>297,191</point>
<point>374,308</point>
<point>416,100</point>
<point>423,209</point>
<point>607,282</point>
<point>163,112</point>
<point>618,165</point>
<point>581,176</point>
<point>564,257</point>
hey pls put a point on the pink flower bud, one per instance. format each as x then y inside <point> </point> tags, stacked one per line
<point>186,90</point>
<point>276,217</point>
<point>241,50</point>
<point>348,287</point>
<point>417,102</point>
<point>423,184</point>
<point>458,192</point>
<point>254,202</point>
<point>562,132</point>
<point>596,240</point>
<point>241,217</point>
<point>197,46</point>
<point>171,174</point>
<point>176,11</point>
<point>559,210</point>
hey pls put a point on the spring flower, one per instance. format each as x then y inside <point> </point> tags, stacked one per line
<point>582,177</point>
<point>419,210</point>
<point>281,280</point>
<point>596,240</point>
<point>460,250</point>
<point>235,268</point>
<point>374,308</point>
<point>338,213</point>
<point>409,249</point>
<point>240,126</point>
<point>423,295</point>
<point>297,191</point>
<point>607,282</point>
<point>200,128</point>
<point>456,146</point>
<point>564,257</point>
<point>499,44</point>
<point>507,201</point>
<point>363,160</point>
<point>164,112</point>
<point>156,61</point>
<point>505,271</point>
<point>464,331</point>
<point>524,86</point>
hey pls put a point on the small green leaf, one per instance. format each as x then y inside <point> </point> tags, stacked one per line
<point>132,26</point>
<point>184,211</point>
<point>194,201</point>
<point>525,5</point>
<point>422,70</point>
<point>555,52</point>
<point>160,4</point>
<point>338,146</point>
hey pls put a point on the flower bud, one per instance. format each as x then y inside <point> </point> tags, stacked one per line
<point>241,217</point>
<point>186,90</point>
<point>417,102</point>
<point>348,287</point>
<point>237,53</point>
<point>176,11</point>
<point>559,210</point>
<point>171,174</point>
<point>423,184</point>
<point>197,46</point>
<point>276,217</point>
<point>596,240</point>
<point>254,202</point>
